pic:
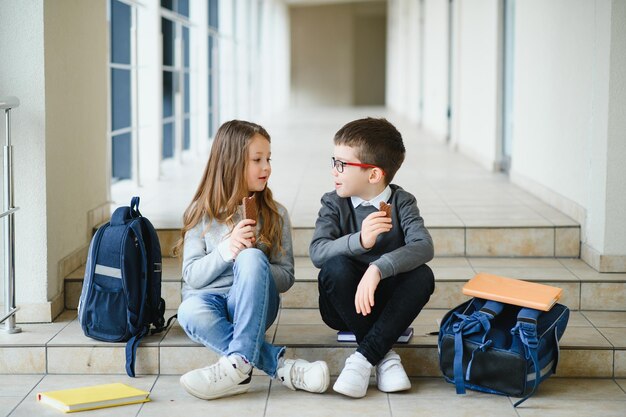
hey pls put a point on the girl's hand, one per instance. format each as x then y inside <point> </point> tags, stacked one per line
<point>364,298</point>
<point>373,225</point>
<point>242,236</point>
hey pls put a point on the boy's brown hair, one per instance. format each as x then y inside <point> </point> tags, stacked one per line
<point>376,142</point>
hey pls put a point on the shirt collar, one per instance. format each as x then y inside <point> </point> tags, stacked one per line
<point>384,196</point>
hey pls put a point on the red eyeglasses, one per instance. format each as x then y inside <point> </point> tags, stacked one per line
<point>339,165</point>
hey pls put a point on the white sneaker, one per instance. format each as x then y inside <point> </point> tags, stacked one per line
<point>304,375</point>
<point>390,375</point>
<point>221,379</point>
<point>355,377</point>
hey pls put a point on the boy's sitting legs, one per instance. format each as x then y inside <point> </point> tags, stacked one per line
<point>398,300</point>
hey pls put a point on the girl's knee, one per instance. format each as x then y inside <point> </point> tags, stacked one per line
<point>250,256</point>
<point>186,310</point>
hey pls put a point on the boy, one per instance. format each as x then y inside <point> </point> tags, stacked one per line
<point>373,279</point>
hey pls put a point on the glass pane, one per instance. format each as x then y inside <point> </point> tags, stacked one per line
<point>187,134</point>
<point>210,90</point>
<point>168,140</point>
<point>120,99</point>
<point>168,4</point>
<point>168,94</point>
<point>211,126</point>
<point>183,7</point>
<point>120,32</point>
<point>210,53</point>
<point>187,94</point>
<point>212,50</point>
<point>186,46</point>
<point>121,156</point>
<point>213,18</point>
<point>167,28</point>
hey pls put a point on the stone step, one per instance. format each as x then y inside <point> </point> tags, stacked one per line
<point>594,345</point>
<point>583,287</point>
<point>475,241</point>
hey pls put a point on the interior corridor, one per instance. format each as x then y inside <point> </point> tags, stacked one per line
<point>452,190</point>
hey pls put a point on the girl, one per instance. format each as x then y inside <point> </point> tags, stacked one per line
<point>234,269</point>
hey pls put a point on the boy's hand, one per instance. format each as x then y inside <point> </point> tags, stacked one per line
<point>242,236</point>
<point>373,225</point>
<point>364,298</point>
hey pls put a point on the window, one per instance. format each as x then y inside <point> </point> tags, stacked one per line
<point>122,68</point>
<point>176,122</point>
<point>212,65</point>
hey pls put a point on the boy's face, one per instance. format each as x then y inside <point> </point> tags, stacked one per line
<point>259,169</point>
<point>353,181</point>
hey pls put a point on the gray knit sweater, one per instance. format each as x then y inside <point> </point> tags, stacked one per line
<point>206,270</point>
<point>338,232</point>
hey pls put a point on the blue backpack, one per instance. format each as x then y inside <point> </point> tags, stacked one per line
<point>121,295</point>
<point>500,348</point>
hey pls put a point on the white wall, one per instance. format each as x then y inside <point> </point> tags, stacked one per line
<point>569,117</point>
<point>273,66</point>
<point>552,104</point>
<point>475,88</point>
<point>23,75</point>
<point>60,140</point>
<point>321,58</point>
<point>324,50</point>
<point>75,39</point>
<point>403,58</point>
<point>435,119</point>
<point>615,242</point>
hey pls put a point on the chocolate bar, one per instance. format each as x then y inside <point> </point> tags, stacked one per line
<point>249,208</point>
<point>386,208</point>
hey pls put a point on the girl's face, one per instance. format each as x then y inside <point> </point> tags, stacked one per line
<point>259,169</point>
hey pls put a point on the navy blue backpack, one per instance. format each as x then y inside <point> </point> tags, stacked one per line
<point>500,348</point>
<point>121,295</point>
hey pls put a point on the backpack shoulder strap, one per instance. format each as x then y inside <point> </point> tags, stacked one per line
<point>478,321</point>
<point>526,328</point>
<point>136,323</point>
<point>131,351</point>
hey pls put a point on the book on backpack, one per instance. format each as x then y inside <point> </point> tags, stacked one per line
<point>121,296</point>
<point>512,291</point>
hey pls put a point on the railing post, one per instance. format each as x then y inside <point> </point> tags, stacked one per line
<point>8,103</point>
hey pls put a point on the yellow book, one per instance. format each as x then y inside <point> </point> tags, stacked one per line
<point>89,398</point>
<point>512,291</point>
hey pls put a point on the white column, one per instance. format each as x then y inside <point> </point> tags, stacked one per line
<point>150,90</point>
<point>59,132</point>
<point>199,82</point>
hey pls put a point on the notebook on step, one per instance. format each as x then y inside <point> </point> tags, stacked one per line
<point>350,337</point>
<point>512,291</point>
<point>92,397</point>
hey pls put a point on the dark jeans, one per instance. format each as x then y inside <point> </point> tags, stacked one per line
<point>397,302</point>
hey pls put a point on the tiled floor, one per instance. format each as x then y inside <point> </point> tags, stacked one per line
<point>301,151</point>
<point>428,397</point>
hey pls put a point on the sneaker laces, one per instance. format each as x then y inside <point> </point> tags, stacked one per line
<point>215,372</point>
<point>297,377</point>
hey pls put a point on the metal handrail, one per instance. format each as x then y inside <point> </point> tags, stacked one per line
<point>6,104</point>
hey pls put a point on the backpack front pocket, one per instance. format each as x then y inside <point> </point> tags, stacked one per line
<point>107,313</point>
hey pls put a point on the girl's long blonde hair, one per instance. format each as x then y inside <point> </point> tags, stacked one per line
<point>223,186</point>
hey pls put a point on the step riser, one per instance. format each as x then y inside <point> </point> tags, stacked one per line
<point>560,242</point>
<point>576,295</point>
<point>418,361</point>
<point>604,296</point>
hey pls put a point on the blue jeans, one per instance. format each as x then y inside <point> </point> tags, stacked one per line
<point>235,322</point>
